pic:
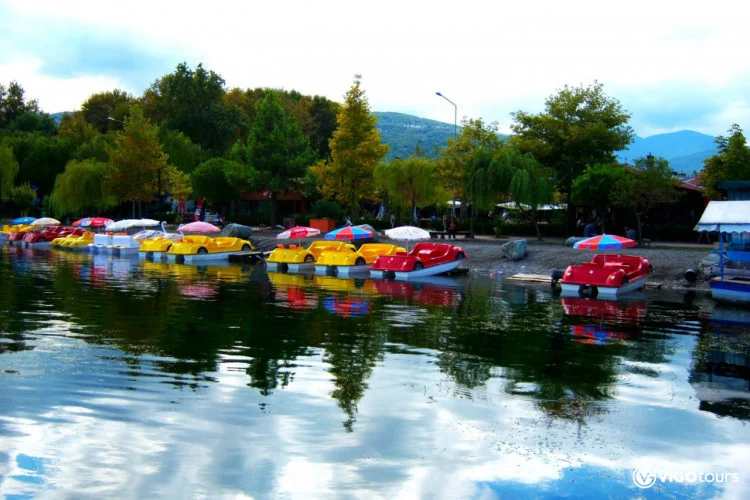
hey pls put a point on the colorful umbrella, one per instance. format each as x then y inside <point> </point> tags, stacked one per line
<point>22,220</point>
<point>349,233</point>
<point>81,222</point>
<point>298,232</point>
<point>46,221</point>
<point>198,227</point>
<point>604,242</point>
<point>97,222</point>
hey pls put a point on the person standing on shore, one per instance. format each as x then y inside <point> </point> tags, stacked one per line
<point>393,220</point>
<point>590,229</point>
<point>452,229</point>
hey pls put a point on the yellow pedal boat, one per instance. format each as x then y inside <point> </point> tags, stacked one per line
<point>359,261</point>
<point>190,249</point>
<point>296,259</point>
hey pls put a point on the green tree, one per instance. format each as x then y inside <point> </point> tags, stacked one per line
<point>98,108</point>
<point>76,129</point>
<point>277,150</point>
<point>34,122</point>
<point>355,150</point>
<point>138,160</point>
<point>415,181</point>
<point>580,126</point>
<point>323,113</point>
<point>475,136</point>
<point>24,197</point>
<point>209,180</point>
<point>96,147</point>
<point>650,184</point>
<point>192,101</point>
<point>178,182</point>
<point>182,152</point>
<point>594,187</point>
<point>731,163</point>
<point>13,104</point>
<point>83,188</point>
<point>44,158</point>
<point>8,169</point>
<point>508,172</point>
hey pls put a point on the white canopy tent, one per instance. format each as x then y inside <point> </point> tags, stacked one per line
<point>541,208</point>
<point>725,217</point>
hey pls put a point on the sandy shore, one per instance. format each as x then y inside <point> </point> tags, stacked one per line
<point>670,261</point>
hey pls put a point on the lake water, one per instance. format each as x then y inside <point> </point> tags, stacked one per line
<point>139,380</point>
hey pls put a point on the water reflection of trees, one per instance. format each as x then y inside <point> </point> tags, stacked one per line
<point>720,373</point>
<point>478,331</point>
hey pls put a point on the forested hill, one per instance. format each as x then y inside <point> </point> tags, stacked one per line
<point>685,149</point>
<point>403,132</point>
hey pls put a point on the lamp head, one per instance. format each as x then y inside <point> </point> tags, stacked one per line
<point>438,93</point>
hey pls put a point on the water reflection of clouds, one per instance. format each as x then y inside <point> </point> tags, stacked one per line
<point>411,439</point>
<point>104,431</point>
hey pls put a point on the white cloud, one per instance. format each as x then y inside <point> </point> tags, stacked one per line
<point>490,58</point>
<point>56,93</point>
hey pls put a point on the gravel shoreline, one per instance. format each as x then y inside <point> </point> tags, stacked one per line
<point>670,261</point>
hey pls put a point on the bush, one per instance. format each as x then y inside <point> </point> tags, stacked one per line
<point>377,224</point>
<point>324,208</point>
<point>24,197</point>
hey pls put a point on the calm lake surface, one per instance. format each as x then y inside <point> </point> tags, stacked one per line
<point>129,379</point>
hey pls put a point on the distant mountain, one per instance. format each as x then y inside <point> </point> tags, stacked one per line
<point>59,116</point>
<point>685,149</point>
<point>403,132</point>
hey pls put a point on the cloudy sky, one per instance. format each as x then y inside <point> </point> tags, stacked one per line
<point>673,66</point>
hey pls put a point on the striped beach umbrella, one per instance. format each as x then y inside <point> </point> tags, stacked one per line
<point>298,232</point>
<point>349,233</point>
<point>604,242</point>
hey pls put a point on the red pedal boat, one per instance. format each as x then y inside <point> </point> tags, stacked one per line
<point>425,259</point>
<point>606,276</point>
<point>38,239</point>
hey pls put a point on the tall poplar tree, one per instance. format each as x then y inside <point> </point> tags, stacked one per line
<point>138,160</point>
<point>277,150</point>
<point>356,148</point>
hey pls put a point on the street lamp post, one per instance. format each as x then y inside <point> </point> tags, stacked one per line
<point>455,135</point>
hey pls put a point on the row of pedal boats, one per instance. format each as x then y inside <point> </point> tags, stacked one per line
<point>146,244</point>
<point>605,275</point>
<point>379,260</point>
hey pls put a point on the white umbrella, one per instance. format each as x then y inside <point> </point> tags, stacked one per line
<point>124,224</point>
<point>46,221</point>
<point>407,233</point>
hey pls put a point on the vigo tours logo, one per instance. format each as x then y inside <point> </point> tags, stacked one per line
<point>645,478</point>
